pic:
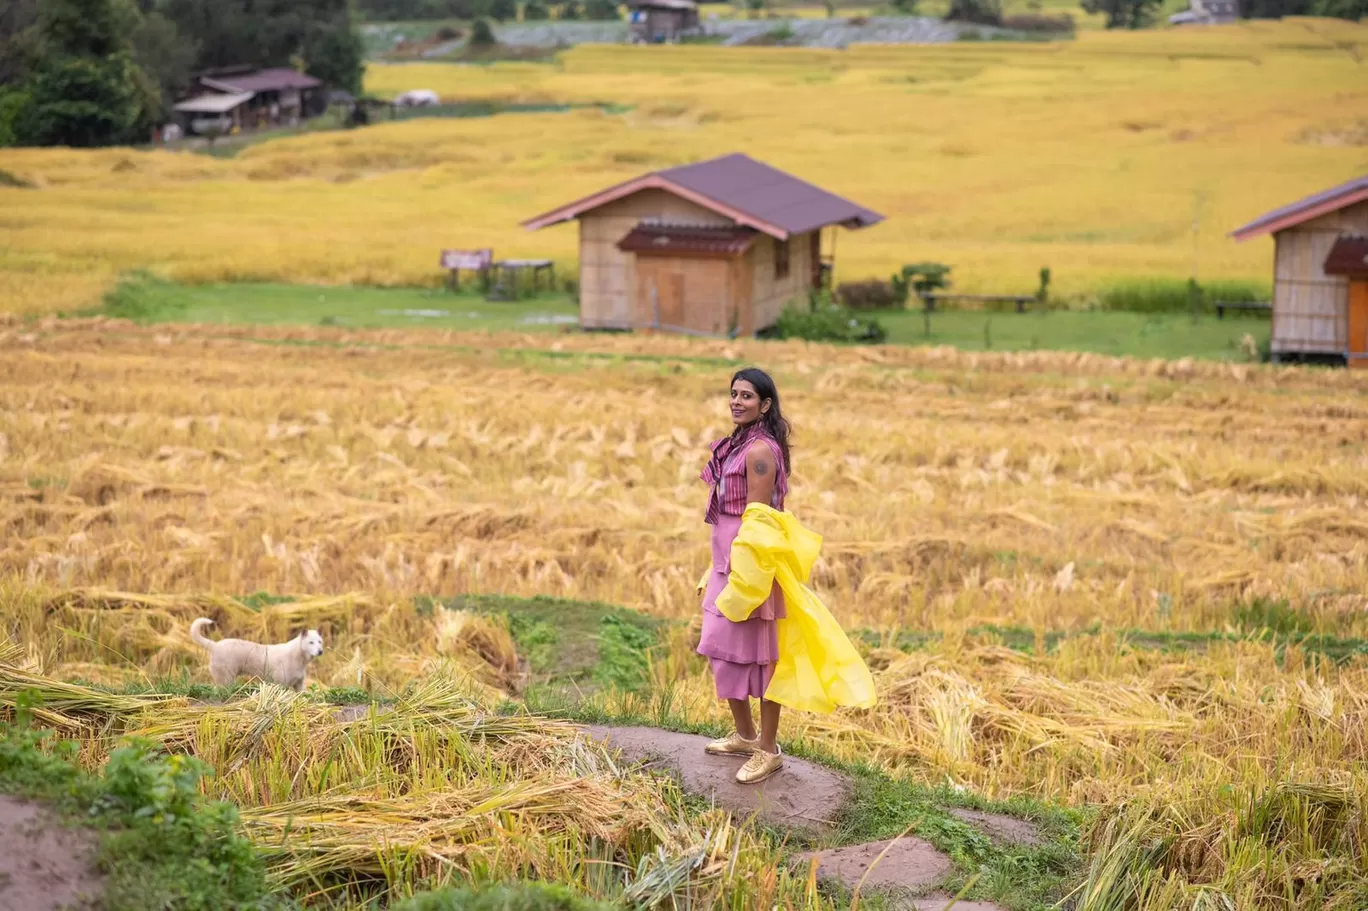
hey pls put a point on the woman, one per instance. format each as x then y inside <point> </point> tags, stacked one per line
<point>750,466</point>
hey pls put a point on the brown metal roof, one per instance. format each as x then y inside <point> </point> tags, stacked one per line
<point>269,80</point>
<point>1314,206</point>
<point>689,239</point>
<point>747,191</point>
<point>1349,256</point>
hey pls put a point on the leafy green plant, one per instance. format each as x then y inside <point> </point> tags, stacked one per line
<point>826,321</point>
<point>535,11</point>
<point>163,845</point>
<point>919,279</point>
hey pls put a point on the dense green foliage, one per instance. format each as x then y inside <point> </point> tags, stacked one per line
<point>103,72</point>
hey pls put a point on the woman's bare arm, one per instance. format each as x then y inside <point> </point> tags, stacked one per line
<point>760,470</point>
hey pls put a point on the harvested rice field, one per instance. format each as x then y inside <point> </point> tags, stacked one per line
<point>1115,611</point>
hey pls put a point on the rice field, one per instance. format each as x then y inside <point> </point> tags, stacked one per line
<point>1126,589</point>
<point>1092,157</point>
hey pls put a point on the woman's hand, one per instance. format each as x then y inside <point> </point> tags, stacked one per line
<point>760,469</point>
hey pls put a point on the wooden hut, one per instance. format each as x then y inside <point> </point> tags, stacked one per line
<point>1320,275</point>
<point>657,21</point>
<point>714,248</point>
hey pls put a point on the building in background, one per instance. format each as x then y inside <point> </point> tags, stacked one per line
<point>1320,275</point>
<point>715,248</point>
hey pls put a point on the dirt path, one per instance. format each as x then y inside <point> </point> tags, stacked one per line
<point>804,796</point>
<point>44,865</point>
<point>811,797</point>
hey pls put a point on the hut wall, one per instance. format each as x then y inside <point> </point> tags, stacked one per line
<point>607,278</point>
<point>1310,308</point>
<point>771,293</point>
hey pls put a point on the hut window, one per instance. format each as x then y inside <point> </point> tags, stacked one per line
<point>781,259</point>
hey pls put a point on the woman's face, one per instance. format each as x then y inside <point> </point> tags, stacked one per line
<point>746,406</point>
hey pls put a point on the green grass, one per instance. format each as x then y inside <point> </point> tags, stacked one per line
<point>161,844</point>
<point>145,299</point>
<point>579,643</point>
<point>1123,334</point>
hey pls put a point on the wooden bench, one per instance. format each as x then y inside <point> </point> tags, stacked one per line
<point>1223,306</point>
<point>1022,301</point>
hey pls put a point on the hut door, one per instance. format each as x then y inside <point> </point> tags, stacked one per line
<point>1358,324</point>
<point>661,292</point>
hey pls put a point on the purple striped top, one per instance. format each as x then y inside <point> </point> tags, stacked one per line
<point>726,472</point>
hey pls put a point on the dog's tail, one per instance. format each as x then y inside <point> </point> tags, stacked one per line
<point>198,636</point>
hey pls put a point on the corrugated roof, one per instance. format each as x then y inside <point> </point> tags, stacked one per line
<point>269,80</point>
<point>664,238</point>
<point>1314,206</point>
<point>1349,256</point>
<point>747,191</point>
<point>218,103</point>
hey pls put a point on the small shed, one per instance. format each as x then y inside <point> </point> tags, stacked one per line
<point>719,247</point>
<point>658,21</point>
<point>217,112</point>
<point>280,95</point>
<point>1320,275</point>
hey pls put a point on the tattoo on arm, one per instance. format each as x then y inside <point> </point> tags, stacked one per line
<point>761,467</point>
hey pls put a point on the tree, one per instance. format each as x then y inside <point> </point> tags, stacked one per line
<point>535,11</point>
<point>1124,13</point>
<point>601,10</point>
<point>85,89</point>
<point>979,12</point>
<point>570,11</point>
<point>503,10</point>
<point>165,56</point>
<point>273,33</point>
<point>1353,10</point>
<point>481,35</point>
<point>18,40</point>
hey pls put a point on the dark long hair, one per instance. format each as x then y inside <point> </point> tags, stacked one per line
<point>773,420</point>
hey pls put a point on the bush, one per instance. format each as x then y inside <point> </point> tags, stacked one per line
<point>481,35</point>
<point>535,11</point>
<point>1039,23</point>
<point>503,10</point>
<point>1171,295</point>
<point>521,897</point>
<point>828,322</point>
<point>868,295</point>
<point>919,279</point>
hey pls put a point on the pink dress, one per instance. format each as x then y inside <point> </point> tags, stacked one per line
<point>742,654</point>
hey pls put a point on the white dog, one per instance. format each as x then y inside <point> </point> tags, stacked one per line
<point>285,664</point>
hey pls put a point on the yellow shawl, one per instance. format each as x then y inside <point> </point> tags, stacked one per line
<point>818,668</point>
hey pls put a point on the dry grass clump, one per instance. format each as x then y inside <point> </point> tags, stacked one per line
<point>435,788</point>
<point>1087,156</point>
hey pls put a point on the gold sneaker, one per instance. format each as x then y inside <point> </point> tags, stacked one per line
<point>760,766</point>
<point>735,745</point>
